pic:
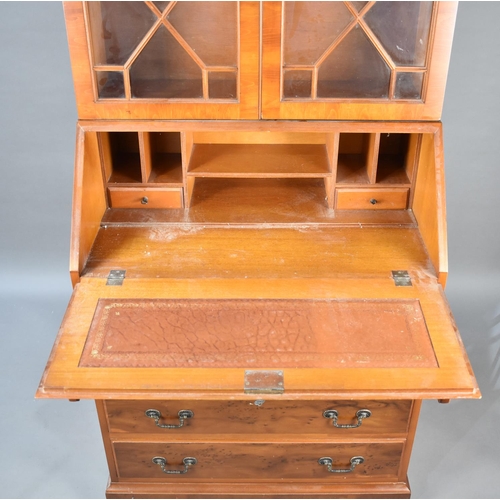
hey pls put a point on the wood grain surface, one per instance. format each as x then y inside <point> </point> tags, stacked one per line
<point>259,416</point>
<point>372,199</point>
<point>199,252</point>
<point>145,197</point>
<point>452,378</point>
<point>259,460</point>
<point>252,489</point>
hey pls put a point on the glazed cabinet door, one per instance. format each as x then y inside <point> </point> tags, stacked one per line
<point>355,60</point>
<point>165,60</point>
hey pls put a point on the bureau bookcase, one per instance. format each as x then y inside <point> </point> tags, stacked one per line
<point>258,244</point>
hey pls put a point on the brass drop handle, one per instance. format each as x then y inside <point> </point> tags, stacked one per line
<point>334,415</point>
<point>328,462</point>
<point>373,201</point>
<point>144,200</point>
<point>156,415</point>
<point>187,461</point>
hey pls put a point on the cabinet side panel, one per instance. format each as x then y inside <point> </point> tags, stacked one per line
<point>79,55</point>
<point>440,58</point>
<point>89,203</point>
<point>429,203</point>
<point>108,447</point>
<point>412,429</point>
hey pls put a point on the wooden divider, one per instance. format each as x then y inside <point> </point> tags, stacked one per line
<point>86,216</point>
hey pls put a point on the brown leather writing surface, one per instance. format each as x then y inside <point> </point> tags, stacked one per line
<point>258,334</point>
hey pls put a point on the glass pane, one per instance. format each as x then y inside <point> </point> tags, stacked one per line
<point>161,5</point>
<point>110,84</point>
<point>165,70</point>
<point>310,28</point>
<point>403,29</point>
<point>222,85</point>
<point>358,5</point>
<point>354,69</point>
<point>210,29</point>
<point>117,28</point>
<point>297,84</point>
<point>408,85</point>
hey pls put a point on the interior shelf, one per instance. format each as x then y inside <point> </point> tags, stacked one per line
<point>127,169</point>
<point>166,161</point>
<point>351,169</point>
<point>167,169</point>
<point>121,157</point>
<point>142,158</point>
<point>394,159</point>
<point>259,200</point>
<point>390,172</point>
<point>259,160</point>
<point>237,177</point>
<point>354,158</point>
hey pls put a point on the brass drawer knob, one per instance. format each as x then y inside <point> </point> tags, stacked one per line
<point>334,415</point>
<point>144,200</point>
<point>328,462</point>
<point>156,415</point>
<point>373,201</point>
<point>162,462</point>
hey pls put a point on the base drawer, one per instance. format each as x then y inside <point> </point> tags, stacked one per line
<point>124,197</point>
<point>342,418</point>
<point>259,461</point>
<point>372,199</point>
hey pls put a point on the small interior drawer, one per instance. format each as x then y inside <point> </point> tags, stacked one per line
<point>259,416</point>
<point>137,197</point>
<point>372,199</point>
<point>369,461</point>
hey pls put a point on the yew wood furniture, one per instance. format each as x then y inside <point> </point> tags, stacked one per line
<point>258,244</point>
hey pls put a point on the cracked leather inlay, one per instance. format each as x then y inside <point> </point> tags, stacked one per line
<point>237,333</point>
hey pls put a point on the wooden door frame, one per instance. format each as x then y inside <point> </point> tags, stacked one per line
<point>159,109</point>
<point>273,107</point>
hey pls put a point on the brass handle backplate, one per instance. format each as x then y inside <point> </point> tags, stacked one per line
<point>334,415</point>
<point>328,462</point>
<point>187,461</point>
<point>156,415</point>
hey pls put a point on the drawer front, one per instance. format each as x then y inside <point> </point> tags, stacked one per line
<point>380,461</point>
<point>372,199</point>
<point>260,417</point>
<point>145,197</point>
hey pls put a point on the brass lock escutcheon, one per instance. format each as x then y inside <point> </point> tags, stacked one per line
<point>162,463</point>
<point>328,463</point>
<point>334,416</point>
<point>156,415</point>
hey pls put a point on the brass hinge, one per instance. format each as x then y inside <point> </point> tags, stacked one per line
<point>115,277</point>
<point>264,382</point>
<point>401,278</point>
